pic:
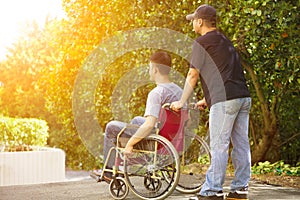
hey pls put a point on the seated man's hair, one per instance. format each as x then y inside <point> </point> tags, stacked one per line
<point>163,61</point>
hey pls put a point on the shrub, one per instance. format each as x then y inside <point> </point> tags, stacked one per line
<point>18,134</point>
<point>277,168</point>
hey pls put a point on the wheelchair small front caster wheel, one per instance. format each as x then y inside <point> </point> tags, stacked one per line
<point>118,188</point>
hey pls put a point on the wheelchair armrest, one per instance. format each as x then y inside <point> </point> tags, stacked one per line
<point>123,141</point>
<point>132,126</point>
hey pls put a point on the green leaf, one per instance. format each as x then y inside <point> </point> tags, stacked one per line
<point>258,21</point>
<point>259,12</point>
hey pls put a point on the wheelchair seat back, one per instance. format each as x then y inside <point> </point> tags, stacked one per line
<point>171,125</point>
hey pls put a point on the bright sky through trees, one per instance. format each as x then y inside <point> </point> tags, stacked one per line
<point>14,13</point>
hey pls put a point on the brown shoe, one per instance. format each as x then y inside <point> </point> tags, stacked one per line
<point>97,174</point>
<point>241,194</point>
<point>218,196</point>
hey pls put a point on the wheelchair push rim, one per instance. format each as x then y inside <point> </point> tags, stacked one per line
<point>144,170</point>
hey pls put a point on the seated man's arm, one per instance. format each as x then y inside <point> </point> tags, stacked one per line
<point>143,131</point>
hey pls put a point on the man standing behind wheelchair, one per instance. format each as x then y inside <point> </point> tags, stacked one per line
<point>164,92</point>
<point>217,63</point>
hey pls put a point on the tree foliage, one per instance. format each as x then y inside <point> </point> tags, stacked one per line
<point>266,33</point>
<point>20,73</point>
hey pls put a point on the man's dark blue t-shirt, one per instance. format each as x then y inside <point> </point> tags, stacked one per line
<point>221,73</point>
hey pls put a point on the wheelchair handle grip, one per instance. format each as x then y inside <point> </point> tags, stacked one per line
<point>190,106</point>
<point>167,106</point>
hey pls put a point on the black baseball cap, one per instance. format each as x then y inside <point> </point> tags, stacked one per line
<point>204,12</point>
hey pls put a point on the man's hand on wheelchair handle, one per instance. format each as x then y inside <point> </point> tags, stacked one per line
<point>176,105</point>
<point>201,105</point>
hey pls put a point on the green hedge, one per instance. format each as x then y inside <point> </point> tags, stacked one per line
<point>16,133</point>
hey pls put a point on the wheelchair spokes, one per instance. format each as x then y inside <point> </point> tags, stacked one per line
<point>118,188</point>
<point>194,163</point>
<point>144,169</point>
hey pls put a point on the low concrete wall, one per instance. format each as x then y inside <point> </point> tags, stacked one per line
<point>42,165</point>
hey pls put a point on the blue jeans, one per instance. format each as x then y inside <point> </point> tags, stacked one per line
<point>112,130</point>
<point>228,121</point>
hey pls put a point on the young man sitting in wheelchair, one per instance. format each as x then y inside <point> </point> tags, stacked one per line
<point>164,92</point>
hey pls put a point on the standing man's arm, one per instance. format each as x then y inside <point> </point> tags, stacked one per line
<point>190,83</point>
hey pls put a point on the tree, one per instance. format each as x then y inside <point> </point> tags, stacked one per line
<point>20,72</point>
<point>88,23</point>
<point>251,25</point>
<point>265,33</point>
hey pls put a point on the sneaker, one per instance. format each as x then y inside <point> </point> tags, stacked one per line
<point>218,196</point>
<point>241,194</point>
<point>97,174</point>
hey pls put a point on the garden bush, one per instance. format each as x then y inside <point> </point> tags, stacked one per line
<point>20,134</point>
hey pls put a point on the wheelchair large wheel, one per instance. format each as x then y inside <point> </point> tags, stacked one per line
<point>145,168</point>
<point>118,188</point>
<point>194,163</point>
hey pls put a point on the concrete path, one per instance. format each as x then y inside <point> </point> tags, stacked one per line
<point>79,186</point>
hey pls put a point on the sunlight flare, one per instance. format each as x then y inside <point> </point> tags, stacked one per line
<point>15,13</point>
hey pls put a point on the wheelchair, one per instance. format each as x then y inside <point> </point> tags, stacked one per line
<point>166,160</point>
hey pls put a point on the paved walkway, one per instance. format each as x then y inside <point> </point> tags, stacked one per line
<point>79,186</point>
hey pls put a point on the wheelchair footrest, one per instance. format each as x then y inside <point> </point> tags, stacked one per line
<point>96,177</point>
